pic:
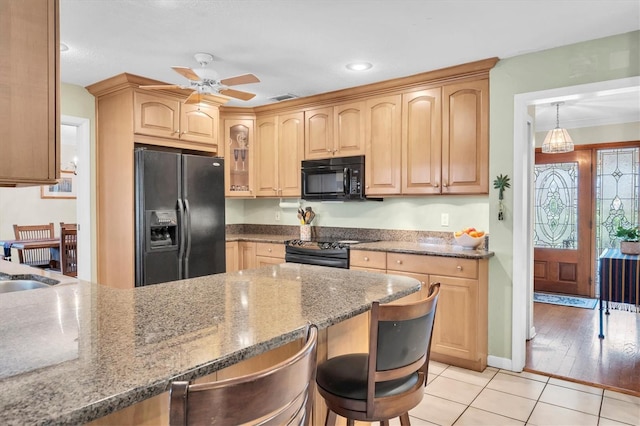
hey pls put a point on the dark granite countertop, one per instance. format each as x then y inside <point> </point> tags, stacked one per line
<point>440,248</point>
<point>446,250</point>
<point>77,351</point>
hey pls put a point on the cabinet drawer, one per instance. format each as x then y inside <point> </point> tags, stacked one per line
<point>270,250</point>
<point>368,259</point>
<point>422,264</point>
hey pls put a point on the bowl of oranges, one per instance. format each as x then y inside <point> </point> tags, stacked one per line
<point>469,238</point>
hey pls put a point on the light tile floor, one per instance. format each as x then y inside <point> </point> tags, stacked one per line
<point>455,396</point>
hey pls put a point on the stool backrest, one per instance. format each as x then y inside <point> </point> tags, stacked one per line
<point>280,395</point>
<point>400,341</point>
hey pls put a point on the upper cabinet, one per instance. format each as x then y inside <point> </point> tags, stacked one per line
<point>336,131</point>
<point>29,83</point>
<point>421,141</point>
<point>240,153</point>
<point>382,158</point>
<point>465,138</point>
<point>279,152</point>
<point>192,126</point>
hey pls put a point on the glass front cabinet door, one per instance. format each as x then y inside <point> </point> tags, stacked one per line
<point>239,151</point>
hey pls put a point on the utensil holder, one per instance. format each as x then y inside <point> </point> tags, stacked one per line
<point>305,232</point>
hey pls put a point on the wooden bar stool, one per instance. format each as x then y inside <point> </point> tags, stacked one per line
<point>280,395</point>
<point>388,381</point>
<point>39,257</point>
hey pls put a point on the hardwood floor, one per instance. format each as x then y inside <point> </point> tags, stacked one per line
<point>567,346</point>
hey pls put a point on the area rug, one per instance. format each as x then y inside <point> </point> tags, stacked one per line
<point>561,299</point>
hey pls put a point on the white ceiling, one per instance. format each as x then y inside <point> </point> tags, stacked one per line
<point>301,47</point>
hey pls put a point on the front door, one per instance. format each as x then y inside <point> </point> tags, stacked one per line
<point>562,223</point>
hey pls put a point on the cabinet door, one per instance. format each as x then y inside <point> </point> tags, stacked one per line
<point>199,123</point>
<point>232,254</point>
<point>290,153</point>
<point>349,128</point>
<point>266,164</point>
<point>239,161</point>
<point>455,330</point>
<point>465,138</point>
<point>247,251</point>
<point>29,100</point>
<point>383,160</point>
<point>413,297</point>
<point>318,133</point>
<point>156,115</point>
<point>421,141</point>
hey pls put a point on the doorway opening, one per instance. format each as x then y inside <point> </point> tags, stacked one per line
<point>523,162</point>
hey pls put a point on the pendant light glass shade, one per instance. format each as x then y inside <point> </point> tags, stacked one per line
<point>557,140</point>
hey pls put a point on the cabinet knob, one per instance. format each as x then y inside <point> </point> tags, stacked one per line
<point>366,259</point>
<point>269,250</point>
<point>367,186</point>
<point>399,262</point>
<point>435,185</point>
<point>444,184</point>
<point>328,150</point>
<point>459,268</point>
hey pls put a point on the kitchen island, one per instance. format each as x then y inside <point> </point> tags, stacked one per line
<point>78,351</point>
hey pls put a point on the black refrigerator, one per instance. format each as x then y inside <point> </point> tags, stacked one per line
<point>180,223</point>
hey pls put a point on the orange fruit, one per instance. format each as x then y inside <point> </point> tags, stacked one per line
<point>458,233</point>
<point>473,234</point>
<point>480,233</point>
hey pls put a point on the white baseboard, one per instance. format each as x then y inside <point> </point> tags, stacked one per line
<point>497,362</point>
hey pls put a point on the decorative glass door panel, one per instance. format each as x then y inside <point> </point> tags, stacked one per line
<point>239,158</point>
<point>562,236</point>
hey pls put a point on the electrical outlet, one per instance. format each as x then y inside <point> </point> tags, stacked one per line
<point>277,215</point>
<point>444,219</point>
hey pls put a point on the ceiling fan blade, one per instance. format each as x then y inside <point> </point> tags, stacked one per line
<point>240,79</point>
<point>187,73</point>
<point>161,86</point>
<point>194,98</point>
<point>245,96</point>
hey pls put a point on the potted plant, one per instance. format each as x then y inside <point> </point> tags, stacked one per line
<point>629,239</point>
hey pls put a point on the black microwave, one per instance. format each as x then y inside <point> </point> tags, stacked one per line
<point>333,179</point>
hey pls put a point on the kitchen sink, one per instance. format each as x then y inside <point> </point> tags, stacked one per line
<point>8,286</point>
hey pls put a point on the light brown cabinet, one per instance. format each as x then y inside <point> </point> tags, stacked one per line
<point>232,255</point>
<point>30,100</point>
<point>465,137</point>
<point>239,141</point>
<point>247,255</point>
<point>336,131</point>
<point>460,335</point>
<point>421,141</point>
<point>383,152</point>
<point>192,126</point>
<point>279,151</point>
<point>269,254</point>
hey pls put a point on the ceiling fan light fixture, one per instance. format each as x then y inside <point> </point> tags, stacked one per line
<point>359,66</point>
<point>558,139</point>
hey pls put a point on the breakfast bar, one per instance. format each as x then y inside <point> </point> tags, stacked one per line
<point>78,351</point>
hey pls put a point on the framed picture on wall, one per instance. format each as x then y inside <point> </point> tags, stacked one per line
<point>65,188</point>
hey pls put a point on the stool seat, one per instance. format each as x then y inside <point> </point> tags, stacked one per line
<point>347,375</point>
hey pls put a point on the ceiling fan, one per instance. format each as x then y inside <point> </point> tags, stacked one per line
<point>206,81</point>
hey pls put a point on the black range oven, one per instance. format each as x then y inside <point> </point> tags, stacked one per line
<point>323,252</point>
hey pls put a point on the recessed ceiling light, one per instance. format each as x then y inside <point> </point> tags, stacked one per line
<point>359,66</point>
<point>63,47</point>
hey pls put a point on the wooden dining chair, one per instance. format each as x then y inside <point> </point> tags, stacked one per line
<point>388,381</point>
<point>280,395</point>
<point>39,257</point>
<point>69,249</point>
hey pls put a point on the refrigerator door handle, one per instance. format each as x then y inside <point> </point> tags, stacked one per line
<point>183,235</point>
<point>187,226</point>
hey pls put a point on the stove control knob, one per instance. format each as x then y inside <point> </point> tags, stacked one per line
<point>300,242</point>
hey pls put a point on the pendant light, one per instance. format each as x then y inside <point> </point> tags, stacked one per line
<point>557,140</point>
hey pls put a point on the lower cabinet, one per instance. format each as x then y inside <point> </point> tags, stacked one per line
<point>269,254</point>
<point>231,256</point>
<point>460,335</point>
<point>246,255</point>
